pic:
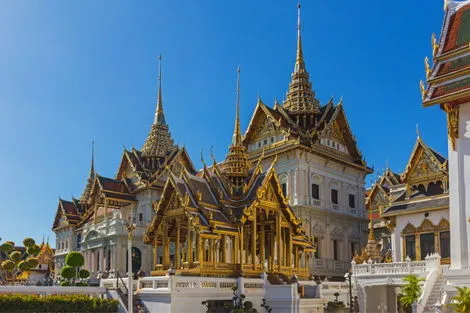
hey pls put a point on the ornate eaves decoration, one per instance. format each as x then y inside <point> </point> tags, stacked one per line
<point>452,123</point>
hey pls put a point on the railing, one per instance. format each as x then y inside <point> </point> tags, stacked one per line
<point>389,268</point>
<point>123,284</point>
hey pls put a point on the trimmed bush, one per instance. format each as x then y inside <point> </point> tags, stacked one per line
<point>84,274</point>
<point>8,265</point>
<point>32,262</point>
<point>68,272</point>
<point>15,256</point>
<point>23,266</point>
<point>7,247</point>
<point>74,259</point>
<point>28,242</point>
<point>57,303</point>
<point>33,250</point>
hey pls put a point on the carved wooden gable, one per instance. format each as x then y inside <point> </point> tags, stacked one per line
<point>264,129</point>
<point>443,225</point>
<point>409,229</point>
<point>174,202</point>
<point>426,165</point>
<point>380,198</point>
<point>426,226</point>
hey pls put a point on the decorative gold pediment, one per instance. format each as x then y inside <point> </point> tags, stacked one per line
<point>380,199</point>
<point>174,202</point>
<point>409,229</point>
<point>426,226</point>
<point>443,225</point>
<point>426,166</point>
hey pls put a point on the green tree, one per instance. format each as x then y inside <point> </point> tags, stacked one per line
<point>462,300</point>
<point>71,273</point>
<point>15,263</point>
<point>411,290</point>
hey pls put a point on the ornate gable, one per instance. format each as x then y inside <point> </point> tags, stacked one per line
<point>426,226</point>
<point>425,166</point>
<point>409,229</point>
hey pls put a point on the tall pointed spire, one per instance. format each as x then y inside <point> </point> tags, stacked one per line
<point>159,116</point>
<point>236,163</point>
<point>92,167</point>
<point>300,99</point>
<point>237,135</point>
<point>159,141</point>
<point>299,61</point>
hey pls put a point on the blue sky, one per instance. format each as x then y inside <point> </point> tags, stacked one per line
<point>76,71</point>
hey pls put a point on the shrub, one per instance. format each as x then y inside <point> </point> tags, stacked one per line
<point>56,303</point>
<point>68,272</point>
<point>8,265</point>
<point>23,266</point>
<point>74,259</point>
<point>84,274</point>
<point>15,256</point>
<point>411,290</point>
<point>28,242</point>
<point>462,300</point>
<point>33,250</point>
<point>7,247</point>
<point>32,262</point>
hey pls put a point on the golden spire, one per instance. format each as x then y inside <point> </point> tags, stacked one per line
<point>159,116</point>
<point>237,135</point>
<point>299,61</point>
<point>159,141</point>
<point>236,165</point>
<point>300,98</point>
<point>92,167</point>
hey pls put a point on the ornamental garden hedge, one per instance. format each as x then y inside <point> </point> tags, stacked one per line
<point>11,303</point>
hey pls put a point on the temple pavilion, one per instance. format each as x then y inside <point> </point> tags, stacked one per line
<point>228,219</point>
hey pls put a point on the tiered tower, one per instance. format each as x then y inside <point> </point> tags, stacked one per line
<point>159,141</point>
<point>236,164</point>
<point>300,99</point>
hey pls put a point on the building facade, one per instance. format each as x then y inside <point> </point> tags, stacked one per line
<point>448,84</point>
<point>96,224</point>
<point>320,167</point>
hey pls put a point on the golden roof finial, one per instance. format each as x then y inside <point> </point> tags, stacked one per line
<point>237,135</point>
<point>159,116</point>
<point>417,131</point>
<point>92,167</point>
<point>434,44</point>
<point>422,88</point>
<point>427,68</point>
<point>299,61</point>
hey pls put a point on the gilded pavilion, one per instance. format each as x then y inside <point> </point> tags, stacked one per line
<point>229,219</point>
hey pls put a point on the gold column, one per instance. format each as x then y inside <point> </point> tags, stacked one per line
<point>199,248</point>
<point>189,258</point>
<point>289,255</point>
<point>272,242</point>
<point>436,242</point>
<point>236,254</point>
<point>177,246</point>
<point>296,257</point>
<point>261,246</point>
<point>418,246</point>
<point>241,245</point>
<point>278,239</point>
<point>166,246</point>
<point>224,249</point>
<point>253,242</point>
<point>155,251</point>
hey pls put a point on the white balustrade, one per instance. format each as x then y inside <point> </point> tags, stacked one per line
<point>381,269</point>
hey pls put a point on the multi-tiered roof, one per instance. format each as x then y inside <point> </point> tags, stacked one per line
<point>448,80</point>
<point>138,170</point>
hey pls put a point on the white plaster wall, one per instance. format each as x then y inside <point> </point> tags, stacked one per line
<point>415,219</point>
<point>459,180</point>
